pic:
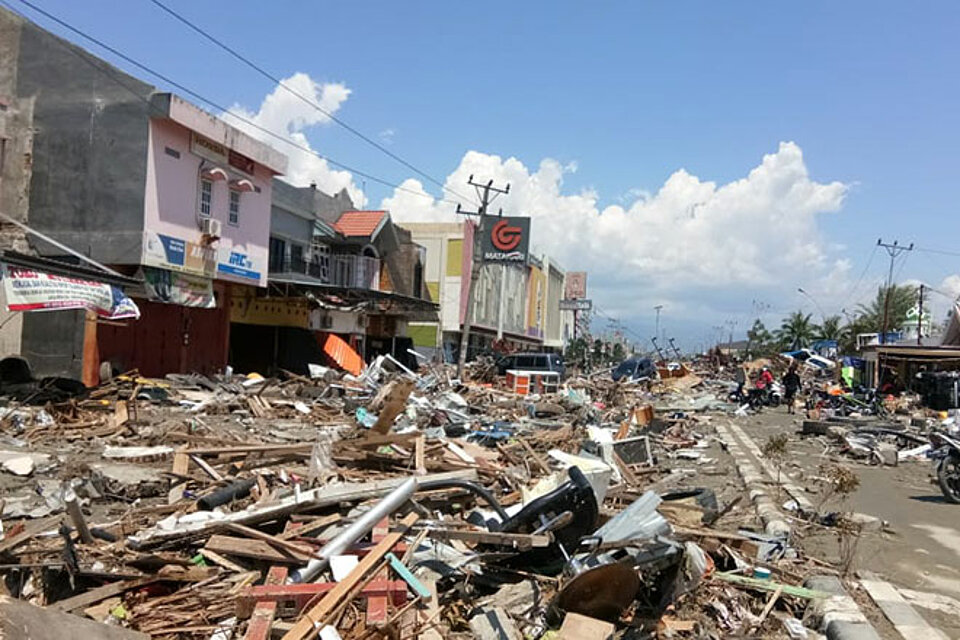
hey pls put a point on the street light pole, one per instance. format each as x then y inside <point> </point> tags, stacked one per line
<point>658,308</point>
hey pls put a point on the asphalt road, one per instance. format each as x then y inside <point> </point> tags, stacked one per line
<point>923,553</point>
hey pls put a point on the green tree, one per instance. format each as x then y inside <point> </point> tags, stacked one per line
<point>759,339</point>
<point>618,354</point>
<point>796,331</point>
<point>830,329</point>
<point>902,298</point>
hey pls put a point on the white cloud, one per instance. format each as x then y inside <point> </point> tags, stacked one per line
<point>387,135</point>
<point>702,249</point>
<point>288,116</point>
<point>755,232</point>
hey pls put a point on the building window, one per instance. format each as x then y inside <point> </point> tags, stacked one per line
<point>278,249</point>
<point>296,258</point>
<point>234,207</point>
<point>320,261</point>
<point>206,198</point>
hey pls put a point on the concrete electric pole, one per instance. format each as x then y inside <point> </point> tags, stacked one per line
<point>477,261</point>
<point>893,250</point>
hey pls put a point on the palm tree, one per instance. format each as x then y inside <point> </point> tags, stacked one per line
<point>795,331</point>
<point>902,299</point>
<point>759,339</point>
<point>830,329</point>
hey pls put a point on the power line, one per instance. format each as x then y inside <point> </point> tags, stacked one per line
<point>273,78</point>
<point>862,274</point>
<point>939,251</point>
<point>199,97</point>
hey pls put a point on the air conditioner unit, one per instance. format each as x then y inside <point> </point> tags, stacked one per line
<point>211,227</point>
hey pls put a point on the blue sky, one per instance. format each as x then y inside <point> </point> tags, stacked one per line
<point>630,92</point>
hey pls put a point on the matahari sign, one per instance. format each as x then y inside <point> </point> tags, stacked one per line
<point>505,239</point>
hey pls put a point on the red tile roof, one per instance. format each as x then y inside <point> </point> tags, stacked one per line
<point>359,223</point>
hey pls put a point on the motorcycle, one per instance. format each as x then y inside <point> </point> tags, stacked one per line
<point>946,451</point>
<point>771,396</point>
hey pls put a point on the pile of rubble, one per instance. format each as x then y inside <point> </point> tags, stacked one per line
<point>394,504</point>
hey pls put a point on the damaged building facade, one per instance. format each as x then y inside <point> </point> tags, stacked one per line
<point>529,318</point>
<point>139,180</point>
<point>336,276</point>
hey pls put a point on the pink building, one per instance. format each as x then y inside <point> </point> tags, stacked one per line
<point>207,196</point>
<point>206,228</point>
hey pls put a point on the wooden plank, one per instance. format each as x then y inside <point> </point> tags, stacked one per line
<point>544,467</point>
<point>30,529</point>
<point>317,616</point>
<point>769,606</point>
<point>309,527</point>
<point>218,559</point>
<point>181,463</point>
<point>520,541</point>
<point>206,468</point>
<point>419,453</point>
<point>121,413</point>
<point>256,549</point>
<point>99,594</point>
<point>297,447</point>
<point>395,404</point>
<point>273,541</point>
<point>626,471</point>
<point>580,627</point>
<point>377,606</point>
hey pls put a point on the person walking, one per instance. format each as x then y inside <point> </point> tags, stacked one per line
<point>791,386</point>
<point>741,381</point>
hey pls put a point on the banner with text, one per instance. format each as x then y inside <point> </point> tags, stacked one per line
<point>178,288</point>
<point>29,290</point>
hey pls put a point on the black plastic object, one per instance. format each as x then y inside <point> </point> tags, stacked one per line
<point>230,492</point>
<point>575,496</point>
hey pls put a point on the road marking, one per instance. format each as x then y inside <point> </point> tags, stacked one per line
<point>905,619</point>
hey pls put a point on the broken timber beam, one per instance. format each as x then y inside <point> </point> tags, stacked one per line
<point>317,616</point>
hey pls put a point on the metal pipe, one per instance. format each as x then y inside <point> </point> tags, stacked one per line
<point>360,527</point>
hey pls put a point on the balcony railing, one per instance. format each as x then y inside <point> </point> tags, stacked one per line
<point>341,270</point>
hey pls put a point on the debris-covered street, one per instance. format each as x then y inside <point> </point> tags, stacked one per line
<point>401,504</point>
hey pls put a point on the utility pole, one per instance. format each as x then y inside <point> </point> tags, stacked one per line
<point>477,261</point>
<point>893,250</point>
<point>920,317</point>
<point>658,308</point>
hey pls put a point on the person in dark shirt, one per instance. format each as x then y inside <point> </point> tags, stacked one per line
<point>791,386</point>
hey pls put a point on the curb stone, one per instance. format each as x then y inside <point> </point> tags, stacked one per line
<point>838,617</point>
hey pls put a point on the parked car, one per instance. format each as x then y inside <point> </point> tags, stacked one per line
<point>634,369</point>
<point>531,362</point>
